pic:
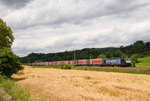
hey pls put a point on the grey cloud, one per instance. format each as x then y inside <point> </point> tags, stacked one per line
<point>79,14</point>
<point>76,24</point>
<point>15,4</point>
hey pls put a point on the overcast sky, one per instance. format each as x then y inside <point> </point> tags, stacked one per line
<point>57,25</point>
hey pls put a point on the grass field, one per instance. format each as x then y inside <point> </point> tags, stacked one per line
<point>107,69</point>
<point>147,72</point>
<point>75,85</point>
<point>144,62</point>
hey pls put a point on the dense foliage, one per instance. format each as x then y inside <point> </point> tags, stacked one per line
<point>139,47</point>
<point>9,63</point>
<point>6,37</point>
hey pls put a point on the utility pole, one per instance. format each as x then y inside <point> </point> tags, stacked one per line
<point>48,59</point>
<point>90,56</point>
<point>74,58</point>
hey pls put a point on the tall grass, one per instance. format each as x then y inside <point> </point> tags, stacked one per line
<point>15,91</point>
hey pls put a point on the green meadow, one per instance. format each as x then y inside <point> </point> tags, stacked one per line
<point>144,62</point>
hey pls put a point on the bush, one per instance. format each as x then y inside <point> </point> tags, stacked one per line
<point>9,63</point>
<point>134,59</point>
<point>65,66</point>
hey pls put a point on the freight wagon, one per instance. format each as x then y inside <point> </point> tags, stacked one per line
<point>96,62</point>
<point>59,63</point>
<point>84,62</point>
<point>73,62</point>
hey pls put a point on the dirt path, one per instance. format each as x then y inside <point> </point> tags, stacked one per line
<point>75,85</point>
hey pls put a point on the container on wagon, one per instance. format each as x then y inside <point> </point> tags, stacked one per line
<point>54,63</point>
<point>46,63</point>
<point>116,61</point>
<point>73,62</point>
<point>59,62</point>
<point>95,61</point>
<point>83,62</point>
<point>66,62</point>
<point>50,63</point>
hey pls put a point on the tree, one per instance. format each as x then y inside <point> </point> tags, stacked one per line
<point>118,53</point>
<point>101,56</point>
<point>138,47</point>
<point>147,47</point>
<point>6,37</point>
<point>110,53</point>
<point>134,59</point>
<point>9,63</point>
<point>124,56</point>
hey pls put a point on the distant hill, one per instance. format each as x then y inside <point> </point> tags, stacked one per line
<point>139,47</point>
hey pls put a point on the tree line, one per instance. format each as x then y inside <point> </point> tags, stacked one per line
<point>139,47</point>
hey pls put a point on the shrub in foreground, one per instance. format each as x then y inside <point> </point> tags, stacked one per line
<point>134,59</point>
<point>65,66</point>
<point>9,63</point>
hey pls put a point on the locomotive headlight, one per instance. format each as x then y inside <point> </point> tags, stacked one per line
<point>128,61</point>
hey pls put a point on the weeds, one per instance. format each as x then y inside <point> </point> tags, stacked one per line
<point>18,93</point>
<point>87,77</point>
<point>1,95</point>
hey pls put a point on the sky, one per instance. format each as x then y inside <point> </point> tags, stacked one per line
<point>50,26</point>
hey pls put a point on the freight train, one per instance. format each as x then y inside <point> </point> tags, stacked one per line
<point>121,62</point>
